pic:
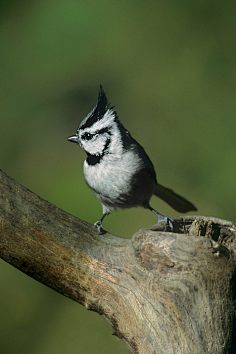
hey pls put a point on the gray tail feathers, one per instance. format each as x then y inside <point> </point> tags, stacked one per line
<point>177,202</point>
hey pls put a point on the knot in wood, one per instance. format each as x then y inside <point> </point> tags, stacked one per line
<point>153,258</point>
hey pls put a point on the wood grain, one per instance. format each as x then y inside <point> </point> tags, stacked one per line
<point>162,292</point>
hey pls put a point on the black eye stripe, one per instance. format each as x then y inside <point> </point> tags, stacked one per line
<point>103,130</point>
<point>88,136</point>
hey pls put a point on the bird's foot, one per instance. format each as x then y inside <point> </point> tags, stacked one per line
<point>167,219</point>
<point>99,226</point>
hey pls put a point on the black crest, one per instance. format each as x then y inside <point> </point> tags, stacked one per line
<point>98,111</point>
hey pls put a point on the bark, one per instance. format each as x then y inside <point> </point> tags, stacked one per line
<point>162,292</point>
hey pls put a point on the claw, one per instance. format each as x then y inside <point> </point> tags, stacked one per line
<point>98,223</point>
<point>99,226</point>
<point>167,219</point>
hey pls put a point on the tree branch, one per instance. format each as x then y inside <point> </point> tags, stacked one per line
<point>161,292</point>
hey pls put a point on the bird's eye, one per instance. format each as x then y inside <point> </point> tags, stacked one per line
<point>87,136</point>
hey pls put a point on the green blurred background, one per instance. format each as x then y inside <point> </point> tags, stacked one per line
<point>170,70</point>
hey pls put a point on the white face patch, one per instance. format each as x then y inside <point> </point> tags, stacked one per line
<point>96,144</point>
<point>103,134</point>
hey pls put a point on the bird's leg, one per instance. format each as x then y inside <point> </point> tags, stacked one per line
<point>168,220</point>
<point>98,223</point>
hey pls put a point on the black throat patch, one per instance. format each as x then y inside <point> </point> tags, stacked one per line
<point>94,159</point>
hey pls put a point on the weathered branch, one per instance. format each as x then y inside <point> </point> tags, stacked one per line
<point>162,292</point>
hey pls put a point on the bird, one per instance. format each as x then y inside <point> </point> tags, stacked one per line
<point>117,168</point>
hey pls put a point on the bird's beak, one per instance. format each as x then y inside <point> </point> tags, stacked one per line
<point>74,139</point>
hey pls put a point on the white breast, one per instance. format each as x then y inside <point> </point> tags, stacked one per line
<point>112,177</point>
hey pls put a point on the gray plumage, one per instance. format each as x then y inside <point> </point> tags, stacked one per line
<point>117,167</point>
